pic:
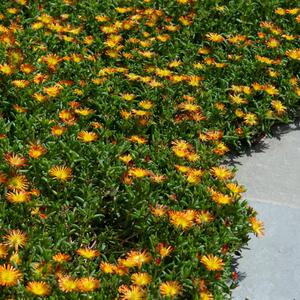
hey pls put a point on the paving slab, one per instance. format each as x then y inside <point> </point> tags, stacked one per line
<point>269,268</point>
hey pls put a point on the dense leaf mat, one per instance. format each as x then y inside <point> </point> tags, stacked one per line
<point>115,119</point>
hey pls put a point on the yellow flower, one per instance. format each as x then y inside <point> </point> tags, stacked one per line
<point>214,37</point>
<point>9,276</point>
<point>212,263</point>
<point>3,250</point>
<point>88,284</point>
<point>67,284</point>
<point>128,97</point>
<point>221,173</point>
<point>125,158</point>
<point>170,289</point>
<point>158,210</point>
<point>271,90</point>
<point>15,238</point>
<point>39,288</point>
<point>250,119</point>
<point>138,172</point>
<point>17,183</point>
<point>87,137</point>
<point>61,173</point>
<point>141,279</point>
<point>15,258</point>
<point>15,160</point>
<point>164,250</point>
<point>6,69</point>
<point>107,267</point>
<point>131,293</point>
<point>18,197</point>
<point>205,295</point>
<point>20,83</point>
<point>36,151</point>
<point>181,219</point>
<point>52,91</point>
<point>58,130</point>
<point>61,257</point>
<point>87,253</point>
<point>137,139</point>
<point>137,258</point>
<point>203,217</point>
<point>257,226</point>
<point>272,43</point>
<point>279,107</point>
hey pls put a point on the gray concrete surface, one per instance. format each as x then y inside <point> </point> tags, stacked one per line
<point>269,268</point>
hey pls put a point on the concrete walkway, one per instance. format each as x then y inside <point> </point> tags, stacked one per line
<point>269,268</point>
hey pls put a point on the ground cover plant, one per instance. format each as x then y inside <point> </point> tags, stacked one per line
<point>115,120</point>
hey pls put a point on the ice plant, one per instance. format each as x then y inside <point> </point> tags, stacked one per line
<point>170,289</point>
<point>9,276</point>
<point>134,106</point>
<point>87,253</point>
<point>87,284</point>
<point>212,263</point>
<point>15,160</point>
<point>15,239</point>
<point>133,292</point>
<point>61,173</point>
<point>38,288</point>
<point>67,284</point>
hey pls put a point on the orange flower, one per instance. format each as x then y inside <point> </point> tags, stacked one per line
<point>36,151</point>
<point>212,263</point>
<point>67,116</point>
<point>137,139</point>
<point>15,238</point>
<point>39,288</point>
<point>87,137</point>
<point>15,160</point>
<point>17,183</point>
<point>58,130</point>
<point>52,91</point>
<point>158,210</point>
<point>141,279</point>
<point>220,198</point>
<point>250,119</point>
<point>164,250</point>
<point>138,258</point>
<point>3,250</point>
<point>20,83</point>
<point>9,276</point>
<point>214,37</point>
<point>278,107</point>
<point>203,217</point>
<point>138,172</point>
<point>6,69</point>
<point>221,173</point>
<point>131,293</point>
<point>84,111</point>
<point>182,219</point>
<point>87,253</point>
<point>61,173</point>
<point>107,267</point>
<point>257,226</point>
<point>88,284</point>
<point>18,197</point>
<point>170,289</point>
<point>126,158</point>
<point>52,60</point>
<point>61,257</point>
<point>67,284</point>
